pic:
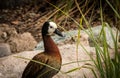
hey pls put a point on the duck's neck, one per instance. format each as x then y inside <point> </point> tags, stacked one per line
<point>49,46</point>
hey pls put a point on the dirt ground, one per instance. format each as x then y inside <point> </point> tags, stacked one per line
<point>31,18</point>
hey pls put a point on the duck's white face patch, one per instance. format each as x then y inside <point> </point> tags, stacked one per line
<point>51,28</point>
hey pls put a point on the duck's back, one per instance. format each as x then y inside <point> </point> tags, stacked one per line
<point>35,70</point>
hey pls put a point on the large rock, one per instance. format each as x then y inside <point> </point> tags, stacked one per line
<point>22,42</point>
<point>4,49</point>
<point>6,32</point>
<point>17,42</point>
<point>12,67</point>
<point>99,37</point>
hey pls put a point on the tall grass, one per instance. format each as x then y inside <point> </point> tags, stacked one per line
<point>106,66</point>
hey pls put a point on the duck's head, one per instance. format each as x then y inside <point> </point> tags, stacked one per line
<point>49,28</point>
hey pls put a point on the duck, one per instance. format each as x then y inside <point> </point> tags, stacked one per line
<point>51,55</point>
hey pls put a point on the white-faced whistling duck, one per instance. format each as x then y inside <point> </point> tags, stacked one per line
<point>51,55</point>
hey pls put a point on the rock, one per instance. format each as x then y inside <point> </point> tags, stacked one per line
<point>6,32</point>
<point>4,49</point>
<point>17,42</point>
<point>12,67</point>
<point>22,42</point>
<point>100,38</point>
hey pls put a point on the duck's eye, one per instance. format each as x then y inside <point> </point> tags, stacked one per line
<point>51,27</point>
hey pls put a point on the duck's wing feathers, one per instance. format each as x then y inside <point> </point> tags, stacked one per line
<point>33,68</point>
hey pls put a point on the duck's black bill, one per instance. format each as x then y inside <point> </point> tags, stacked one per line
<point>58,33</point>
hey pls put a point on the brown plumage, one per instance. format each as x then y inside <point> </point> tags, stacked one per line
<point>50,56</point>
